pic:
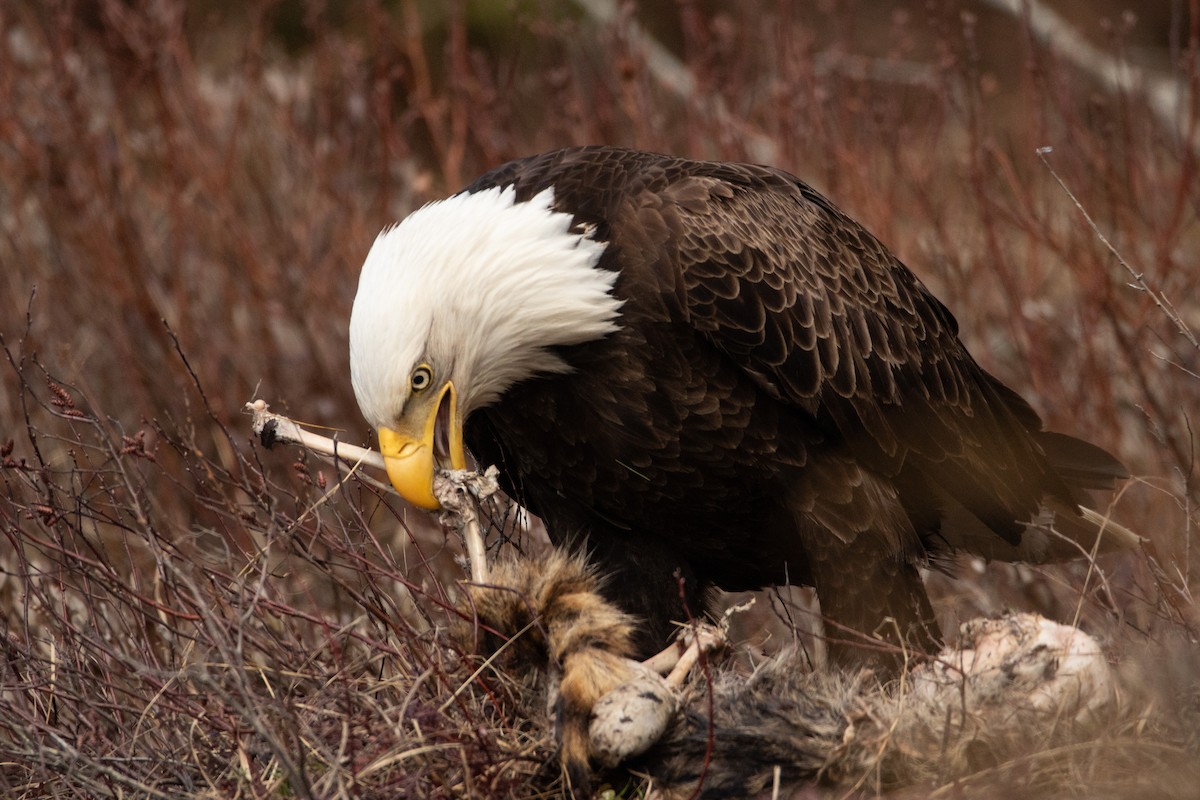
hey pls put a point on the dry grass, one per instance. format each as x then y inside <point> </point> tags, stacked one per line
<point>183,618</point>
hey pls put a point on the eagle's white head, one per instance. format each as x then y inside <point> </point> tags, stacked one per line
<point>457,303</point>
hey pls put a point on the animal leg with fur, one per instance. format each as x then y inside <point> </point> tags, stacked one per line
<point>608,706</point>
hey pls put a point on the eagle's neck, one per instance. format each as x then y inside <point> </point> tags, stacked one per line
<point>482,287</point>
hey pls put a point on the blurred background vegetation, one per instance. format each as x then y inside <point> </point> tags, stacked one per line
<point>187,191</point>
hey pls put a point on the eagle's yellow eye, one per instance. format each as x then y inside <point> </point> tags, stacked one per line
<point>422,377</point>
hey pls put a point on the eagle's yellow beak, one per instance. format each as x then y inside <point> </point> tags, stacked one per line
<point>427,436</point>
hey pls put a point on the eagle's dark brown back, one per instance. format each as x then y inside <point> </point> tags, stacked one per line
<point>822,317</point>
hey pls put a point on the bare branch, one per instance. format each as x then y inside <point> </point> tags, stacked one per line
<point>1139,278</point>
<point>459,491</point>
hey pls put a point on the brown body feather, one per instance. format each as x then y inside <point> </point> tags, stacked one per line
<point>784,401</point>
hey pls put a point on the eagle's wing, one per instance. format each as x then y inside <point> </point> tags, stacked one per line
<point>822,316</point>
<point>826,318</point>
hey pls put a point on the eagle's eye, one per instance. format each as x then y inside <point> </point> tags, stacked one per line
<point>422,377</point>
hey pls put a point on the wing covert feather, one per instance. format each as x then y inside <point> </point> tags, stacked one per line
<point>780,280</point>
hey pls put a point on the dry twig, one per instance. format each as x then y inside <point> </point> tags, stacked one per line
<point>459,491</point>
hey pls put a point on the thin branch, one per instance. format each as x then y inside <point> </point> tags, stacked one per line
<point>1139,279</point>
<point>459,491</point>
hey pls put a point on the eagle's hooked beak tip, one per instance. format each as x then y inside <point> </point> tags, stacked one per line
<point>409,468</point>
<point>412,450</point>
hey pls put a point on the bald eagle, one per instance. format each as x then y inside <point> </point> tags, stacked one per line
<point>708,376</point>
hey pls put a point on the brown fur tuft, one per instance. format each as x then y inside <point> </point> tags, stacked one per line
<point>553,608</point>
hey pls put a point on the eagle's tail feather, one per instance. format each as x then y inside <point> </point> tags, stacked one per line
<point>1061,531</point>
<point>1073,532</point>
<point>1080,464</point>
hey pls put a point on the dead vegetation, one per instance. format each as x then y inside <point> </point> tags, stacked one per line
<point>186,615</point>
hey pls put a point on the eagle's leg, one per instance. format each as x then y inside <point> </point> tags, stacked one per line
<point>874,605</point>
